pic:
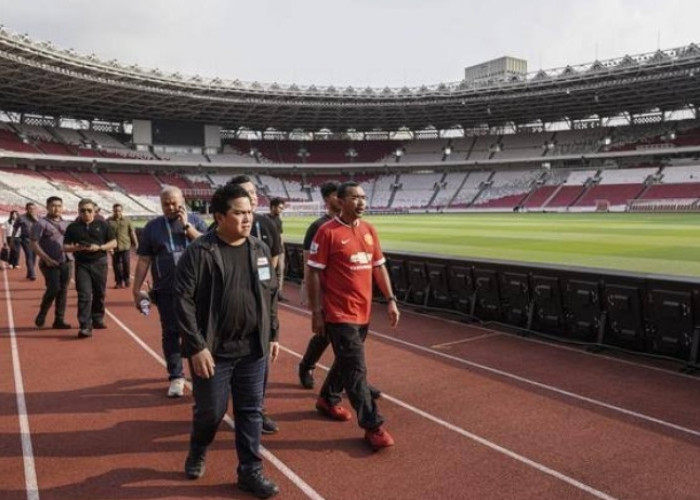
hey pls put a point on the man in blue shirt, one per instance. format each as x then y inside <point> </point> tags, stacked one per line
<point>22,230</point>
<point>161,245</point>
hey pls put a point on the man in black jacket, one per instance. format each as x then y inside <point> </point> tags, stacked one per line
<point>227,312</point>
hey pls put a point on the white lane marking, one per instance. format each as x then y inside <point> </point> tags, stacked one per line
<point>483,441</point>
<point>524,380</point>
<point>30,482</point>
<point>464,341</point>
<point>281,466</point>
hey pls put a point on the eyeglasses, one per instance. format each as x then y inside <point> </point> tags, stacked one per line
<point>86,210</point>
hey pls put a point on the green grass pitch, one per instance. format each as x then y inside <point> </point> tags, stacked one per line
<point>647,243</point>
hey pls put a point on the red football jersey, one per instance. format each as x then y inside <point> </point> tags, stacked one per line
<point>346,254</point>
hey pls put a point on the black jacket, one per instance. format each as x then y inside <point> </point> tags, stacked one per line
<point>199,289</point>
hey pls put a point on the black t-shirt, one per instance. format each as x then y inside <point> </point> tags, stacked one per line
<point>238,327</point>
<point>277,220</point>
<point>98,232</point>
<point>313,229</point>
<point>265,229</point>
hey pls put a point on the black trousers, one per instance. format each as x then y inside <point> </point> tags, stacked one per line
<point>91,282</point>
<point>121,265</point>
<point>14,251</point>
<point>30,257</point>
<point>57,280</point>
<point>349,372</point>
<point>314,351</point>
<point>242,380</point>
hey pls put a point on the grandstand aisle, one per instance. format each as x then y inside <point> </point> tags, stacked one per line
<point>476,414</point>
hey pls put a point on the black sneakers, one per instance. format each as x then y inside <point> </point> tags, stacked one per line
<point>84,333</point>
<point>61,325</point>
<point>268,425</point>
<point>374,392</point>
<point>194,464</point>
<point>99,325</point>
<point>257,484</point>
<point>306,377</point>
<point>40,320</point>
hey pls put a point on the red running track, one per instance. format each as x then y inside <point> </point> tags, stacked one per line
<point>475,413</point>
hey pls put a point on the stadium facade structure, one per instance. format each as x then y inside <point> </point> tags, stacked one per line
<point>50,85</point>
<point>37,78</point>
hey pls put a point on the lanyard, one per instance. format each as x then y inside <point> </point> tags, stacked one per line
<point>170,236</point>
<point>257,229</point>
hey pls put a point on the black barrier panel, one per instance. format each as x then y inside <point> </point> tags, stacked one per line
<point>624,315</point>
<point>582,308</point>
<point>548,314</point>
<point>417,281</point>
<point>488,301</point>
<point>461,288</point>
<point>397,273</point>
<point>656,314</point>
<point>515,298</point>
<point>439,292</point>
<point>670,322</point>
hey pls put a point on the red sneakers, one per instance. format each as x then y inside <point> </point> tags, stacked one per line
<point>335,412</point>
<point>379,438</point>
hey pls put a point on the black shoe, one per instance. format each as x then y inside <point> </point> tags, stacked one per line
<point>40,320</point>
<point>61,325</point>
<point>374,392</point>
<point>306,377</point>
<point>268,425</point>
<point>194,464</point>
<point>99,325</point>
<point>84,333</point>
<point>258,485</point>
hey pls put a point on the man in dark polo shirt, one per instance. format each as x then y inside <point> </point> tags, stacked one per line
<point>162,243</point>
<point>90,239</point>
<point>276,209</point>
<point>55,264</point>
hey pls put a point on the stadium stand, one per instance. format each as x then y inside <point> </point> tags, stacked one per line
<point>415,190</point>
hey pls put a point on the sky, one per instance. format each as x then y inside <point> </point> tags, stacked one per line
<point>361,43</point>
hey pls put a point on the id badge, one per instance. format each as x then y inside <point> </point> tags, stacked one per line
<point>176,256</point>
<point>264,273</point>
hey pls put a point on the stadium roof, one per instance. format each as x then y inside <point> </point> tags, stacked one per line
<point>37,78</point>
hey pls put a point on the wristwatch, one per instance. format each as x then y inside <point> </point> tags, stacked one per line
<point>391,298</point>
<point>187,226</point>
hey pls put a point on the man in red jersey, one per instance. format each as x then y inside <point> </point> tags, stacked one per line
<point>344,259</point>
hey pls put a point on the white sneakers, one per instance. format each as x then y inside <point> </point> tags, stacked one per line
<point>177,388</point>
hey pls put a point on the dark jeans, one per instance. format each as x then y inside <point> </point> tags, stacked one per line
<point>14,251</point>
<point>314,351</point>
<point>121,265</point>
<point>90,282</point>
<point>170,334</point>
<point>57,280</point>
<point>29,256</point>
<point>349,372</point>
<point>242,379</point>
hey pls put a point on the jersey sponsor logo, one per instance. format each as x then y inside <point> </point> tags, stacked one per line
<point>345,242</point>
<point>368,239</point>
<point>361,258</point>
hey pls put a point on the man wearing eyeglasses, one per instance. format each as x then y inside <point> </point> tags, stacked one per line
<point>90,239</point>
